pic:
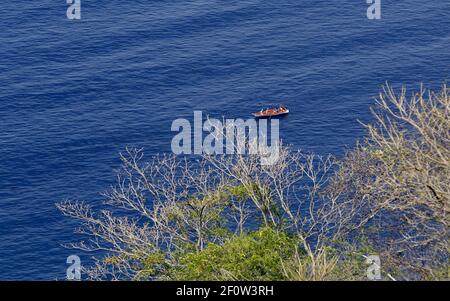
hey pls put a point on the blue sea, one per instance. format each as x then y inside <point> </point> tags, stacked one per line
<point>74,93</point>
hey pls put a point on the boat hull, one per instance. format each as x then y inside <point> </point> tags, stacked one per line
<point>262,115</point>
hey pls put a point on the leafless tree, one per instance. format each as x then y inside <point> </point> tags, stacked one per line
<point>171,205</point>
<point>402,169</point>
<point>178,204</point>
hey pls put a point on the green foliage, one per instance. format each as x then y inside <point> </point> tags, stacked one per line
<point>238,191</point>
<point>252,256</point>
<point>151,264</point>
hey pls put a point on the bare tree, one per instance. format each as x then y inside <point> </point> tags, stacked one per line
<point>172,205</point>
<point>402,169</point>
<point>178,205</point>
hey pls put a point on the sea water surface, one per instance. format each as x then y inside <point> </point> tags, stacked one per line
<point>73,94</point>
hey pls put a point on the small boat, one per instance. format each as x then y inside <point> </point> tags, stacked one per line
<point>264,113</point>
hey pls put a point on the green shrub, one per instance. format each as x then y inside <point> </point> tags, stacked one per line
<point>253,256</point>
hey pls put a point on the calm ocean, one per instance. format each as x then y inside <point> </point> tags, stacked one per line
<point>73,94</point>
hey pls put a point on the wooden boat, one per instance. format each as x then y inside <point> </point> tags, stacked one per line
<point>282,110</point>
